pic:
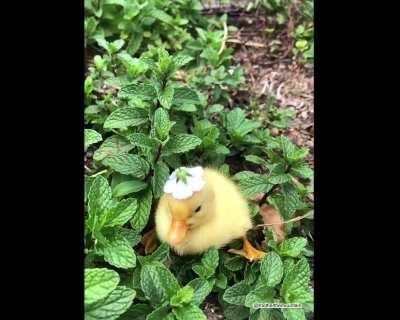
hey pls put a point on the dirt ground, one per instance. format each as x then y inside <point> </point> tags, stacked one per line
<point>292,83</point>
<point>266,74</point>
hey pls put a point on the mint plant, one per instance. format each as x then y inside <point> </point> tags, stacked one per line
<point>152,105</point>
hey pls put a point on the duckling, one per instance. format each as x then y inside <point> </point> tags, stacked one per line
<point>201,208</point>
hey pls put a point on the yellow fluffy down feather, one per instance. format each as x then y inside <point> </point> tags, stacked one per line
<point>214,216</point>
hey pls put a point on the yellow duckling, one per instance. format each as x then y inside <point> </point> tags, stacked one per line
<point>201,208</point>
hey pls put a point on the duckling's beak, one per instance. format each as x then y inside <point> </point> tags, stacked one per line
<point>178,231</point>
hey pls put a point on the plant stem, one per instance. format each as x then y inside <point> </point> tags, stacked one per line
<point>98,173</point>
<point>151,171</point>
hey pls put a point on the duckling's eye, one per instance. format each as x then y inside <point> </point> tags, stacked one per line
<point>198,209</point>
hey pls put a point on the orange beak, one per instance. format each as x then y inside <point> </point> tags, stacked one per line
<point>178,231</point>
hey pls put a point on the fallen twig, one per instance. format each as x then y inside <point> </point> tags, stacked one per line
<point>284,222</point>
<point>247,43</point>
<point>223,44</point>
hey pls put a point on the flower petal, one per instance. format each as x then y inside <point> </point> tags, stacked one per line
<point>169,186</point>
<point>195,171</point>
<point>173,174</point>
<point>196,183</point>
<point>181,191</point>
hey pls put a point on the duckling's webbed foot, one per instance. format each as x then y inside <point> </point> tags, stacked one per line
<point>248,251</point>
<point>149,241</point>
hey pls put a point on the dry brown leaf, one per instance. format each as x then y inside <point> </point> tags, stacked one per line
<point>272,216</point>
<point>149,240</point>
<point>257,198</point>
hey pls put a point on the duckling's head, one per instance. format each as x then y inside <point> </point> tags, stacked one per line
<point>190,202</point>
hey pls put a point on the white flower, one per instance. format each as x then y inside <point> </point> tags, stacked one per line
<point>182,189</point>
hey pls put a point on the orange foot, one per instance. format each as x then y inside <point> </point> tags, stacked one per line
<point>149,241</point>
<point>248,251</point>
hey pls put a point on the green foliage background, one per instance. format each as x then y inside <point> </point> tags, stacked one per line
<point>157,96</point>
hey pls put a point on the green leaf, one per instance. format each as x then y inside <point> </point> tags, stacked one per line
<point>296,280</point>
<point>256,160</point>
<point>235,263</point>
<point>288,264</point>
<point>301,44</point>
<point>237,293</point>
<point>292,247</point>
<point>134,42</point>
<point>99,198</point>
<point>207,132</point>
<point>120,254</point>
<point>221,281</point>
<point>131,236</point>
<point>162,16</point>
<point>288,148</point>
<point>142,140</point>
<point>291,200</point>
<point>251,273</point>
<point>181,143</point>
<point>162,123</point>
<point>166,97</point>
<point>111,307</point>
<point>125,117</point>
<point>88,86</point>
<point>253,184</point>
<point>127,187</point>
<point>185,95</point>
<point>211,55</point>
<point>121,213</point>
<point>294,314</point>
<point>91,137</point>
<point>137,311</point>
<point>161,312</point>
<point>88,183</point>
<point>99,282</point>
<point>186,108</point>
<point>181,59</point>
<point>183,296</point>
<point>271,269</point>
<point>299,154</point>
<point>202,271</point>
<point>279,178</point>
<point>301,296</point>
<point>133,66</point>
<point>261,294</point>
<point>158,283</point>
<point>220,149</point>
<point>237,125</point>
<point>266,314</point>
<point>190,311</point>
<point>302,170</point>
<point>209,262</point>
<point>215,108</point>
<point>128,164</point>
<point>202,288</point>
<point>161,254</point>
<point>141,217</point>
<point>232,312</point>
<point>112,146</point>
<point>115,46</point>
<point>142,91</point>
<point>234,119</point>
<point>210,259</point>
<point>93,109</point>
<point>161,174</point>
